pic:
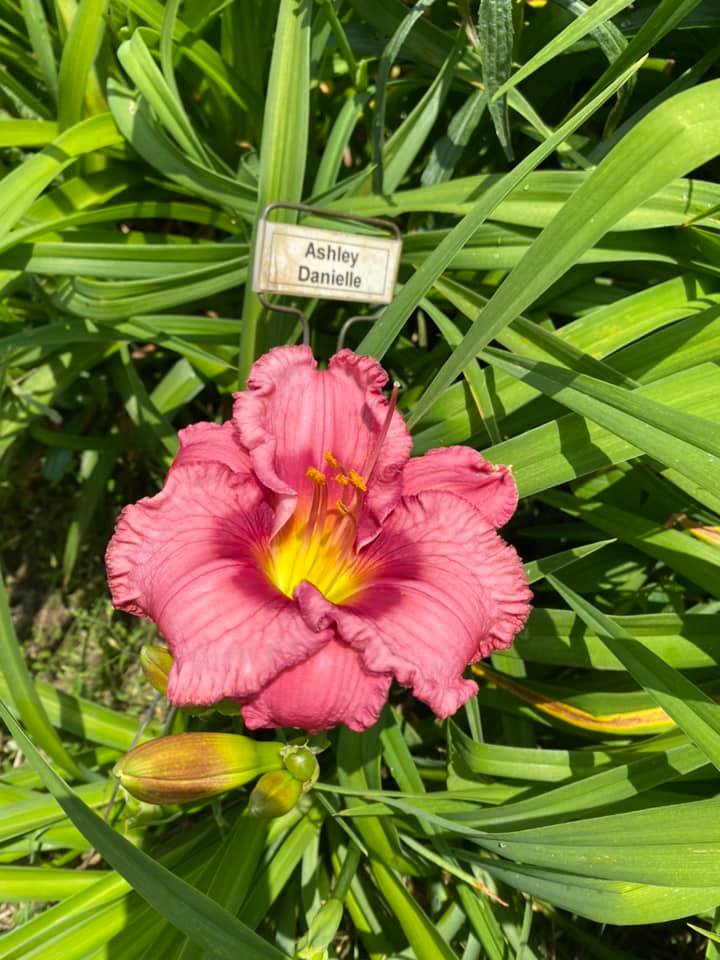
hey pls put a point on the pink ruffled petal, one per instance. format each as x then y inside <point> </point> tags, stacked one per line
<point>461,470</point>
<point>292,414</point>
<point>331,687</point>
<point>187,559</point>
<point>212,442</point>
<point>445,591</point>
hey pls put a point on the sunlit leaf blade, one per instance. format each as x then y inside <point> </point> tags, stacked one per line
<point>667,143</point>
<point>39,33</point>
<point>692,710</point>
<point>20,187</point>
<point>666,15</point>
<point>594,16</point>
<point>384,331</point>
<point>607,901</point>
<point>284,145</point>
<point>495,32</point>
<point>537,569</point>
<point>682,441</point>
<point>78,55</point>
<point>386,61</point>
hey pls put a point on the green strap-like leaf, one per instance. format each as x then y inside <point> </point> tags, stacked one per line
<point>495,30</point>
<point>664,18</point>
<point>383,333</point>
<point>77,60</point>
<point>383,73</point>
<point>680,440</point>
<point>20,187</point>
<point>597,14</point>
<point>39,35</point>
<point>283,150</point>
<point>693,711</point>
<point>676,137</point>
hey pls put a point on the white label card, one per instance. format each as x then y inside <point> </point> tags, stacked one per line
<point>309,262</point>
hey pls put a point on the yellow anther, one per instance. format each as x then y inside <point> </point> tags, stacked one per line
<point>357,481</point>
<point>329,458</point>
<point>342,479</point>
<point>316,476</point>
<point>343,508</point>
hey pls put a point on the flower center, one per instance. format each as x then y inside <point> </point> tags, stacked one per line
<point>318,544</point>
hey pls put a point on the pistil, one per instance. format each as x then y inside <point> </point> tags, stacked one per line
<point>372,457</point>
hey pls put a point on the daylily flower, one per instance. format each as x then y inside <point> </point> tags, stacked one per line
<point>297,559</point>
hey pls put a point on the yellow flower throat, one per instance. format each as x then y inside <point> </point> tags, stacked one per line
<point>320,547</point>
<point>318,543</point>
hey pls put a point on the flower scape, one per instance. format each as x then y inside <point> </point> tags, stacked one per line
<point>298,559</point>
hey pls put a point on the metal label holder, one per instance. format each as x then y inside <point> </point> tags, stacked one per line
<point>261,289</point>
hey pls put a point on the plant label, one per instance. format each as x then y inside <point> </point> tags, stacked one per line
<point>333,265</point>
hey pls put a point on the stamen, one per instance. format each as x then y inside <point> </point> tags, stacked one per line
<point>343,508</point>
<point>358,481</point>
<point>372,457</point>
<point>318,507</point>
<point>342,479</point>
<point>329,458</point>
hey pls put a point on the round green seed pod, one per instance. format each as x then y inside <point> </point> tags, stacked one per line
<point>301,763</point>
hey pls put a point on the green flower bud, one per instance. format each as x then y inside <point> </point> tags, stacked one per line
<point>301,763</point>
<point>322,931</point>
<point>192,766</point>
<point>312,953</point>
<point>156,662</point>
<point>274,794</point>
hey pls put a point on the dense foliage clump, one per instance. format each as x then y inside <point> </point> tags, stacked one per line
<point>553,170</point>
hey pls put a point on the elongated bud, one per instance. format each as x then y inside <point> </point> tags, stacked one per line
<point>301,763</point>
<point>322,931</point>
<point>156,662</point>
<point>274,794</point>
<point>192,766</point>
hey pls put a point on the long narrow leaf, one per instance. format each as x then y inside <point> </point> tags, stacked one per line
<point>283,151</point>
<point>495,31</point>
<point>673,139</point>
<point>385,330</point>
<point>597,14</point>
<point>692,710</point>
<point>678,439</point>
<point>77,59</point>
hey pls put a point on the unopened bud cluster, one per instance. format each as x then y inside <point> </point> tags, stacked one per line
<point>277,792</point>
<point>194,766</point>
